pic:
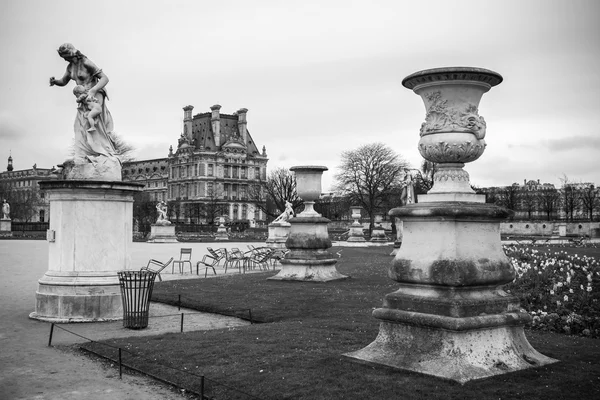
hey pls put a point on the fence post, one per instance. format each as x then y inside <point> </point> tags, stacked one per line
<point>202,387</point>
<point>181,323</point>
<point>51,332</point>
<point>250,312</point>
<point>179,303</point>
<point>120,365</point>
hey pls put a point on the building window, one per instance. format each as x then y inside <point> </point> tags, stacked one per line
<point>235,172</point>
<point>210,170</point>
<point>210,189</point>
<point>243,172</point>
<point>256,173</point>
<point>244,211</point>
<point>42,215</point>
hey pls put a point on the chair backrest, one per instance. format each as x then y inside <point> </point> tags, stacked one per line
<point>165,265</point>
<point>216,254</point>
<point>187,252</point>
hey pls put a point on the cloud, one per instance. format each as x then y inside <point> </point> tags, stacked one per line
<point>588,143</point>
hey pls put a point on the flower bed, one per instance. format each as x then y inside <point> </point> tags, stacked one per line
<point>559,289</point>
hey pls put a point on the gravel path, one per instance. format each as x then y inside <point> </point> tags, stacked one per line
<point>29,369</point>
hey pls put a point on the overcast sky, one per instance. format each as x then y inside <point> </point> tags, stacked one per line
<point>318,77</point>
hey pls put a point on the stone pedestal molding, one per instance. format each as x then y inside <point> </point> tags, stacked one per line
<point>5,227</point>
<point>90,237</point>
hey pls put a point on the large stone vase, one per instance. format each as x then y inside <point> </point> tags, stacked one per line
<point>308,259</point>
<point>450,317</point>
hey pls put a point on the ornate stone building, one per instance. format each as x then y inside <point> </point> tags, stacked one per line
<point>214,170</point>
<point>20,188</point>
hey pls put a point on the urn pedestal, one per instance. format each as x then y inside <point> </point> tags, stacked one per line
<point>90,239</point>
<point>450,317</point>
<point>308,259</point>
<point>221,234</point>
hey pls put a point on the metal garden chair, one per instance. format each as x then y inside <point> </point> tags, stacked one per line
<point>160,266</point>
<point>185,256</point>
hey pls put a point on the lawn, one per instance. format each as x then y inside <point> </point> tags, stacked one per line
<point>293,351</point>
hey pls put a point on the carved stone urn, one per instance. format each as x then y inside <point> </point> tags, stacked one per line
<point>453,132</point>
<point>308,186</point>
<point>356,230</point>
<point>449,316</point>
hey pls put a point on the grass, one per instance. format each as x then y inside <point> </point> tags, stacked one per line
<point>296,352</point>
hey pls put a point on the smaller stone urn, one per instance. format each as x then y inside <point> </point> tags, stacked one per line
<point>308,259</point>
<point>221,230</point>
<point>356,230</point>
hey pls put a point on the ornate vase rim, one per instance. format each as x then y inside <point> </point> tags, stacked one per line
<point>452,74</point>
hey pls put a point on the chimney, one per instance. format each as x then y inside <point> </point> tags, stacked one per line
<point>216,124</point>
<point>242,129</point>
<point>524,182</point>
<point>187,122</point>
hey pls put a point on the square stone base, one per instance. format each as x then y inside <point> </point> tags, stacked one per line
<point>162,234</point>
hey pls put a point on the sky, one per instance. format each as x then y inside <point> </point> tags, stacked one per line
<point>318,77</point>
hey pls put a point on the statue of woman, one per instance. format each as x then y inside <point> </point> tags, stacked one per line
<point>90,145</point>
<point>286,214</point>
<point>5,210</point>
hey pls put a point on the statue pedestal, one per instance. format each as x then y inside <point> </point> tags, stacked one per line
<point>450,318</point>
<point>5,227</point>
<point>221,233</point>
<point>278,234</point>
<point>90,237</point>
<point>161,233</point>
<point>308,259</point>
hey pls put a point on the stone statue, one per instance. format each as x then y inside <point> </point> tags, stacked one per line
<point>95,150</point>
<point>161,207</point>
<point>90,105</point>
<point>286,214</point>
<point>5,210</point>
<point>408,189</point>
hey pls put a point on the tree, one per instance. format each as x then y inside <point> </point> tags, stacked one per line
<point>369,175</point>
<point>570,197</point>
<point>24,204</point>
<point>425,178</point>
<point>509,197</point>
<point>549,199</point>
<point>589,200</point>
<point>279,187</point>
<point>529,201</point>
<point>144,211</point>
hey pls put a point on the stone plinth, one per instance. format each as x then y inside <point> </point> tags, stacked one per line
<point>162,233</point>
<point>308,259</point>
<point>356,233</point>
<point>278,234</point>
<point>90,237</point>
<point>221,234</point>
<point>5,227</point>
<point>378,235</point>
<point>450,318</point>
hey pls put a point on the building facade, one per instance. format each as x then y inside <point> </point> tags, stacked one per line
<point>21,190</point>
<point>216,170</point>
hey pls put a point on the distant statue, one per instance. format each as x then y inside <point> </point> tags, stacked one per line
<point>5,210</point>
<point>161,207</point>
<point>95,148</point>
<point>286,214</point>
<point>408,189</point>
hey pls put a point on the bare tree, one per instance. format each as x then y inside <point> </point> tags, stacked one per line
<point>144,210</point>
<point>589,200</point>
<point>424,180</point>
<point>509,197</point>
<point>549,200</point>
<point>369,175</point>
<point>279,187</point>
<point>570,197</point>
<point>529,201</point>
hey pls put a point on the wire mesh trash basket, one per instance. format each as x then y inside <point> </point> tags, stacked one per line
<point>136,290</point>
